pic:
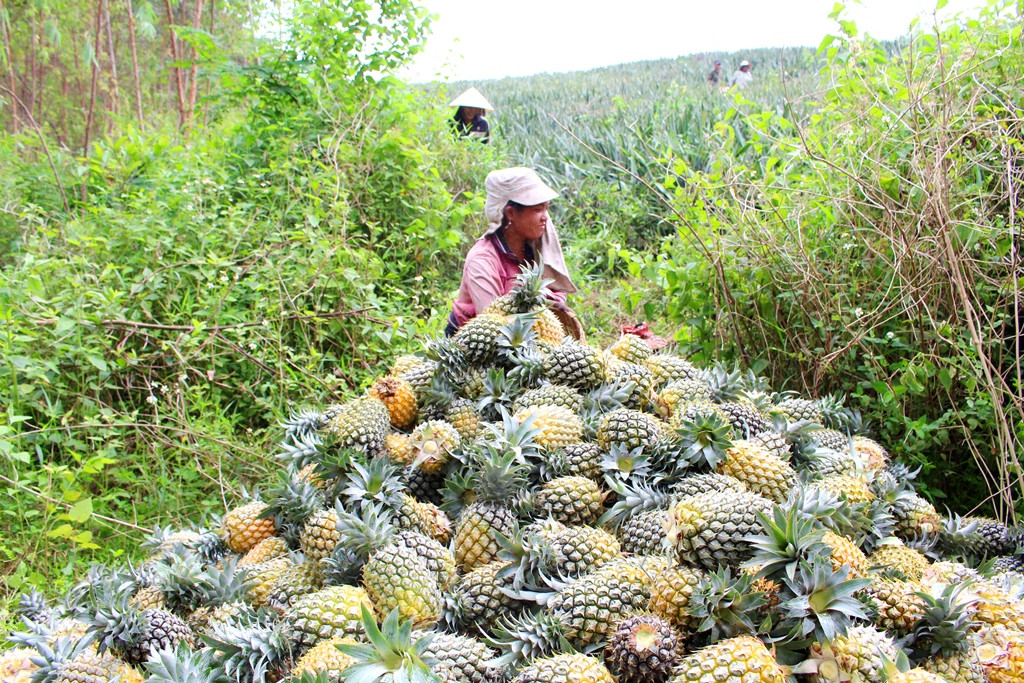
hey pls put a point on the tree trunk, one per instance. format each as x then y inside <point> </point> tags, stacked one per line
<point>135,65</point>
<point>178,71</point>
<point>114,84</point>
<point>92,90</point>
<point>10,63</point>
<point>193,81</point>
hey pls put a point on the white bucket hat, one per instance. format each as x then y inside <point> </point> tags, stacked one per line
<point>472,98</point>
<point>744,63</point>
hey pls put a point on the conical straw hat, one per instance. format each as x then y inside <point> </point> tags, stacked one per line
<point>472,98</point>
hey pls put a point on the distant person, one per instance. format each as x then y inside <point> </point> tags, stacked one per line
<point>742,77</point>
<point>469,118</point>
<point>715,75</point>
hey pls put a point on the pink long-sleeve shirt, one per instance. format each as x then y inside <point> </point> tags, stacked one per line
<point>489,272</point>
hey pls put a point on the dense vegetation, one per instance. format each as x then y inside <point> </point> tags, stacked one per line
<point>281,219</point>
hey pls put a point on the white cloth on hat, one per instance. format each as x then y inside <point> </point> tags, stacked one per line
<point>524,186</point>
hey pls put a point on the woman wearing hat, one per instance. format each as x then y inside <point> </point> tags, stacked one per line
<point>519,232</point>
<point>469,117</point>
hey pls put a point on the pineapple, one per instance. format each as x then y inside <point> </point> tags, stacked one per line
<point>558,426</point>
<point>745,418</point>
<point>630,348</point>
<point>575,365</point>
<point>571,500</point>
<point>1001,653</point>
<point>332,612</point>
<point>463,658</point>
<point>71,661</point>
<point>898,605</point>
<point>582,459</point>
<point>941,640</point>
<point>549,395</point>
<point>267,549</point>
<point>325,657</point>
<point>710,529</point>
<point>479,597</point>
<point>742,659</point>
<point>680,392</point>
<point>762,472</point>
<point>800,409</point>
<point>665,367</point>
<point>907,561</point>
<point>243,527</point>
<point>399,397</point>
<point>563,668</point>
<point>433,443</point>
<point>593,604</point>
<point>845,553</point>
<point>860,654</point>
<point>499,477</point>
<point>462,414</point>
<point>320,535</point>
<point>644,648</point>
<point>361,424</point>
<point>628,429</point>
<point>478,337</point>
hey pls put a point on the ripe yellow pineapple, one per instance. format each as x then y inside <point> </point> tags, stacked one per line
<point>845,553</point>
<point>909,562</point>
<point>559,426</point>
<point>400,399</point>
<point>325,656</point>
<point>742,659</point>
<point>763,472</point>
<point>433,443</point>
<point>243,527</point>
<point>320,534</point>
<point>267,549</point>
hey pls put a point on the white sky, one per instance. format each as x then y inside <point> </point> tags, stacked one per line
<point>483,39</point>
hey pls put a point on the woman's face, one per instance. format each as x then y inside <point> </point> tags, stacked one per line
<point>530,221</point>
<point>470,113</point>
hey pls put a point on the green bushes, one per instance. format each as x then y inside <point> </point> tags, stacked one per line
<point>871,250</point>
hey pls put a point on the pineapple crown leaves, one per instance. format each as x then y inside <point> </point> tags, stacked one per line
<point>834,513</point>
<point>531,562</point>
<point>822,603</point>
<point>704,439</point>
<point>292,501</point>
<point>225,584</point>
<point>183,582</point>
<point>364,533</point>
<point>52,660</point>
<point>632,499</point>
<point>515,437</point>
<point>300,448</point>
<point>957,532</point>
<point>303,423</point>
<point>378,480</point>
<point>33,607</point>
<point>531,288</point>
<point>526,366</point>
<point>625,464</point>
<point>725,604</point>
<point>391,655</point>
<point>249,648</point>
<point>449,357</point>
<point>517,336</point>
<point>183,665</point>
<point>526,637</point>
<point>943,627</point>
<point>500,475</point>
<point>791,538</point>
<point>499,392</point>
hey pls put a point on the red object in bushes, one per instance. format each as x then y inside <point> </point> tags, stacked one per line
<point>643,331</point>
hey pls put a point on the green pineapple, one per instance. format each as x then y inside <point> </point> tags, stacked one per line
<point>361,424</point>
<point>710,529</point>
<point>478,337</point>
<point>941,637</point>
<point>667,367</point>
<point>464,659</point>
<point>596,602</point>
<point>549,395</point>
<point>571,500</point>
<point>629,429</point>
<point>565,668</point>
<point>331,612</point>
<point>575,365</point>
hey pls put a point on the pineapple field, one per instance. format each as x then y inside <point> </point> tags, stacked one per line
<point>236,446</point>
<point>513,503</point>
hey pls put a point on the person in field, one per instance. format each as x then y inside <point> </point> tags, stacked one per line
<point>715,75</point>
<point>469,118</point>
<point>519,232</point>
<point>742,77</point>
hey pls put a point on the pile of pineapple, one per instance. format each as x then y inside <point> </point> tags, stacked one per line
<point>512,505</point>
